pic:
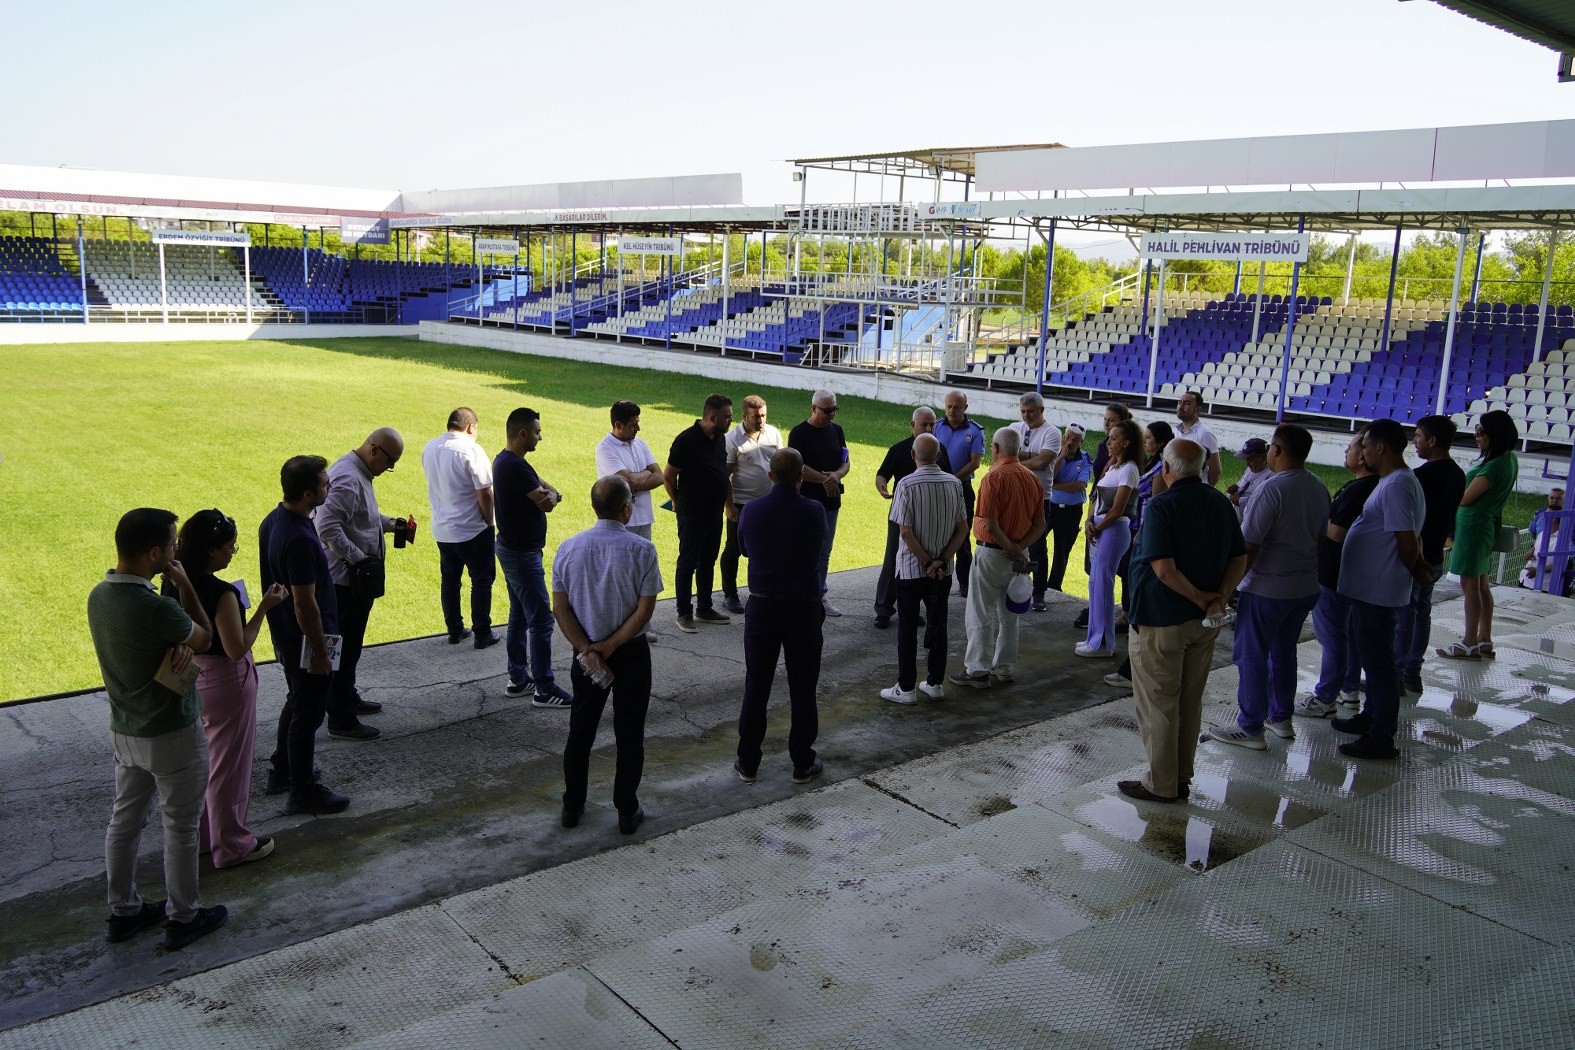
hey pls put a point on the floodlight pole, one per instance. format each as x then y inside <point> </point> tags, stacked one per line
<point>1542,302</point>
<point>1449,332</point>
<point>1044,313</point>
<point>1389,297</point>
<point>1290,326</point>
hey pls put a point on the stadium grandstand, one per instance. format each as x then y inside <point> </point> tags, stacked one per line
<point>894,280</point>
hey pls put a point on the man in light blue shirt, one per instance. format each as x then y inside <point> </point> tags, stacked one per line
<point>1383,555</point>
<point>604,586</point>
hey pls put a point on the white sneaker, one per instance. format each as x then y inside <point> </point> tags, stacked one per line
<point>1001,677</point>
<point>1092,652</point>
<point>1285,730</point>
<point>1310,706</point>
<point>934,692</point>
<point>1350,704</point>
<point>898,695</point>
<point>1238,736</point>
<point>831,610</point>
<point>1117,679</point>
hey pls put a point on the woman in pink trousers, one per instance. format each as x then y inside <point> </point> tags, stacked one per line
<point>227,687</point>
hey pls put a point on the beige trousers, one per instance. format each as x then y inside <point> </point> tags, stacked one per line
<point>1170,666</point>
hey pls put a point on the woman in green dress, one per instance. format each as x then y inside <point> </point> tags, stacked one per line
<point>1488,485</point>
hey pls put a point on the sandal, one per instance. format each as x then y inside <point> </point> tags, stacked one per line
<point>1485,651</point>
<point>1459,651</point>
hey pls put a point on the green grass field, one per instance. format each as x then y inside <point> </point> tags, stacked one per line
<point>90,431</point>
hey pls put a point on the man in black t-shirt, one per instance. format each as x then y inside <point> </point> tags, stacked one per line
<point>1443,485</point>
<point>291,554</point>
<point>697,482</point>
<point>897,465</point>
<point>523,501</point>
<point>1340,674</point>
<point>825,450</point>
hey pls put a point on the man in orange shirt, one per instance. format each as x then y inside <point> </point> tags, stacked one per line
<point>1008,519</point>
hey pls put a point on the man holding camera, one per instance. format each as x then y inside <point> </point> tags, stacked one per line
<point>351,529</point>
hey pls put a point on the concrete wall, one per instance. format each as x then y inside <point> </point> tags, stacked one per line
<point>33,334</point>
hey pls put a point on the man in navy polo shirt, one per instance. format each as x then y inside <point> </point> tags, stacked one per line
<point>291,554</point>
<point>963,440</point>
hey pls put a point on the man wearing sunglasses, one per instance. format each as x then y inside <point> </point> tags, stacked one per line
<point>351,528</point>
<point>820,441</point>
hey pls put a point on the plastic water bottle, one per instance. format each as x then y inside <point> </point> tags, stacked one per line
<point>1224,618</point>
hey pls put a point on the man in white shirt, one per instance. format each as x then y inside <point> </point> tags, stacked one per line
<point>1041,444</point>
<point>459,487</point>
<point>623,453</point>
<point>1189,407</point>
<point>1254,454</point>
<point>750,446</point>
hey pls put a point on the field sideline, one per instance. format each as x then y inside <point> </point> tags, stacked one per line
<point>92,430</point>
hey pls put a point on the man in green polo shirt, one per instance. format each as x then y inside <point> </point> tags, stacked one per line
<point>1188,559</point>
<point>159,743</point>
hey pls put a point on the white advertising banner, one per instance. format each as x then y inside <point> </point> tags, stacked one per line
<point>220,238</point>
<point>650,246</point>
<point>497,246</point>
<point>363,231</point>
<point>951,210</point>
<point>1246,247</point>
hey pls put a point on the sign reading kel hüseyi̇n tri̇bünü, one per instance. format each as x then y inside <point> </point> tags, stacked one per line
<point>1247,247</point>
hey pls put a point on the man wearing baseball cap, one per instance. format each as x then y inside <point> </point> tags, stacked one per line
<point>1254,452</point>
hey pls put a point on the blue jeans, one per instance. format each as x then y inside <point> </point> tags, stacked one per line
<point>530,614</point>
<point>1341,670</point>
<point>1267,630</point>
<point>1375,638</point>
<point>1413,626</point>
<point>825,548</point>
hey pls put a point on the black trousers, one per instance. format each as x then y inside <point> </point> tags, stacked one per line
<point>1039,557</point>
<point>790,629</point>
<point>306,699</point>
<point>885,586</point>
<point>475,556</point>
<point>699,540</point>
<point>965,552</point>
<point>353,616</point>
<point>631,696</point>
<point>730,555</point>
<point>1065,521</point>
<point>932,595</point>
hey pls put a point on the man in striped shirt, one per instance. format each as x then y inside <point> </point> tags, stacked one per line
<point>931,516</point>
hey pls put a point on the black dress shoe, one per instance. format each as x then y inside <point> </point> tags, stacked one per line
<point>1082,620</point>
<point>486,639</point>
<point>318,800</point>
<point>279,782</point>
<point>1135,789</point>
<point>367,707</point>
<point>359,731</point>
<point>883,622</point>
<point>455,637</point>
<point>1369,747</point>
<point>1356,725</point>
<point>629,823</point>
<point>572,815</point>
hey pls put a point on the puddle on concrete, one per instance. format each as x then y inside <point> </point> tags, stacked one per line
<point>1253,801</point>
<point>1170,833</point>
<point>995,805</point>
<point>1495,718</point>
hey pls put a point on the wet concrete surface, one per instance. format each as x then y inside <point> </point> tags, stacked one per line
<point>462,789</point>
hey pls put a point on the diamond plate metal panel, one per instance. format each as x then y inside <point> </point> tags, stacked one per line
<point>1491,845</point>
<point>1539,754</point>
<point>345,986</point>
<point>569,1009</point>
<point>1279,949</point>
<point>550,920</point>
<point>1051,854</point>
<point>813,969</point>
<point>1537,1009</point>
<point>1026,765</point>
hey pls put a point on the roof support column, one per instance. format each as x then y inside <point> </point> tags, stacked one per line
<point>1542,302</point>
<point>1389,297</point>
<point>1454,311</point>
<point>1290,325</point>
<point>82,266</point>
<point>1044,314</point>
<point>1153,346</point>
<point>1476,273</point>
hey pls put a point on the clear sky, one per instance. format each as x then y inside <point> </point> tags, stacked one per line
<point>408,95</point>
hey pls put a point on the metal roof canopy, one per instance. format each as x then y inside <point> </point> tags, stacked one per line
<point>644,221</point>
<point>1550,23</point>
<point>953,163</point>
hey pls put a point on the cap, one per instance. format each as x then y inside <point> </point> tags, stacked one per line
<point>1254,447</point>
<point>1076,428</point>
<point>1019,593</point>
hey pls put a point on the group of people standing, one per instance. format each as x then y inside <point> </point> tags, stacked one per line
<point>182,682</point>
